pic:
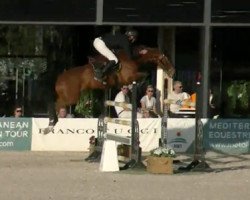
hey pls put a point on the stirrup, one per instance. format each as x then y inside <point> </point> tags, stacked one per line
<point>101,80</point>
<point>98,74</point>
<point>116,67</point>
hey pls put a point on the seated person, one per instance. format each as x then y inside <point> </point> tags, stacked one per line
<point>148,103</point>
<point>122,96</point>
<point>18,111</point>
<point>177,95</point>
<point>62,113</point>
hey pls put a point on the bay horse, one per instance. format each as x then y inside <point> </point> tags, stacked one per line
<point>72,82</point>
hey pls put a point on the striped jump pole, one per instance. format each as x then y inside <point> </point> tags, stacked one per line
<point>119,104</point>
<point>117,121</point>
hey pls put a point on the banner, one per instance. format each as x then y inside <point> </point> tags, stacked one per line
<point>231,136</point>
<point>73,134</point>
<point>181,134</point>
<point>68,134</point>
<point>15,134</point>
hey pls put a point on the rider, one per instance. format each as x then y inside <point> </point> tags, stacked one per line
<point>109,41</point>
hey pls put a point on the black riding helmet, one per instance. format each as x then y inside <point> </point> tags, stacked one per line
<point>132,32</point>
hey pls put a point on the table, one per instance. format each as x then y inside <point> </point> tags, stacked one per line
<point>186,112</point>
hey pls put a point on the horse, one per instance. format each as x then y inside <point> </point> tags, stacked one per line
<point>70,83</point>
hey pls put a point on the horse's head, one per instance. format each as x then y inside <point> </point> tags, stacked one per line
<point>155,56</point>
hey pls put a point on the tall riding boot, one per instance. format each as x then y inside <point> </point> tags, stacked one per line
<point>108,67</point>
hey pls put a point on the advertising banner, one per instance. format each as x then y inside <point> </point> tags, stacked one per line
<point>73,134</point>
<point>68,134</point>
<point>15,134</point>
<point>231,136</point>
<point>181,134</point>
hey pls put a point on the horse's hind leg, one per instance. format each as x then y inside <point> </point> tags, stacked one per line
<point>52,118</point>
<point>53,109</point>
<point>52,115</point>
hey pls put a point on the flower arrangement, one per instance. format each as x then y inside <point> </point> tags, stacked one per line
<point>162,152</point>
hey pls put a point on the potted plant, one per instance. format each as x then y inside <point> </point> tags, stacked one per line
<point>160,160</point>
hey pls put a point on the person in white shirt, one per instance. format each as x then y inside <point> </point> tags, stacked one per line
<point>122,96</point>
<point>177,95</point>
<point>148,103</point>
<point>62,113</point>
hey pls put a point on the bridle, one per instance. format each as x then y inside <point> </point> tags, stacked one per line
<point>160,59</point>
<point>161,62</point>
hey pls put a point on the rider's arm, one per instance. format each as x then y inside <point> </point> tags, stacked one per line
<point>143,104</point>
<point>127,48</point>
<point>137,52</point>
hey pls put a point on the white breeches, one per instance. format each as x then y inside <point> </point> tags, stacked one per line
<point>101,47</point>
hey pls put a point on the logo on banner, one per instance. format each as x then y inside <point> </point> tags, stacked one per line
<point>178,141</point>
<point>69,131</point>
<point>128,130</point>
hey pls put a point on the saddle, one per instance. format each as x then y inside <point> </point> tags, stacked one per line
<point>101,72</point>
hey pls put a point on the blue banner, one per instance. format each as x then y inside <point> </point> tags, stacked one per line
<point>231,136</point>
<point>15,134</point>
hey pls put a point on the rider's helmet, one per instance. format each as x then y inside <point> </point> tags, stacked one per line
<point>132,33</point>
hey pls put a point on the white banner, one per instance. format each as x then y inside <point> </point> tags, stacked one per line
<point>181,133</point>
<point>73,134</point>
<point>68,134</point>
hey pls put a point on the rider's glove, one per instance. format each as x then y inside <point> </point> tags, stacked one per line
<point>179,102</point>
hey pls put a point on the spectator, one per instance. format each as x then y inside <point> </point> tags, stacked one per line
<point>213,111</point>
<point>62,113</point>
<point>212,108</point>
<point>148,103</point>
<point>18,111</point>
<point>122,96</point>
<point>177,95</point>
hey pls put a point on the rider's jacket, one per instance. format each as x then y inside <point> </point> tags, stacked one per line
<point>118,41</point>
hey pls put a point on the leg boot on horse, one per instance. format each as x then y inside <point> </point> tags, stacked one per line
<point>98,72</point>
<point>109,67</point>
<point>101,74</point>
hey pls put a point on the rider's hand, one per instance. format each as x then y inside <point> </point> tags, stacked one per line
<point>179,102</point>
<point>143,51</point>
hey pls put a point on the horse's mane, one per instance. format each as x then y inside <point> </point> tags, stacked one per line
<point>121,54</point>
